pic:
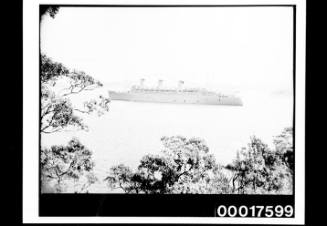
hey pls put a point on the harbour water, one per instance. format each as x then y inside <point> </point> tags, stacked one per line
<point>131,130</point>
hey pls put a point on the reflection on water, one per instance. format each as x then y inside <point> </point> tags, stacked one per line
<point>132,129</point>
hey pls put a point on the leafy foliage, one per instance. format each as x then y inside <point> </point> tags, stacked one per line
<point>258,169</point>
<point>184,167</point>
<point>57,111</point>
<point>284,147</point>
<point>51,10</point>
<point>65,162</point>
<point>57,114</point>
<point>90,179</point>
<point>51,70</point>
<point>121,177</point>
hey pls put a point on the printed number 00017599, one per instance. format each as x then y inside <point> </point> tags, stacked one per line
<point>255,211</point>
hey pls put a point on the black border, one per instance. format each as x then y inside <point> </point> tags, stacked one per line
<point>71,204</point>
<point>12,138</point>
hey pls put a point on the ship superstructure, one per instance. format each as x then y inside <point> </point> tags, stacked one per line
<point>178,95</point>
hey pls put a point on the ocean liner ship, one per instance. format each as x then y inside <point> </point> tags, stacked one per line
<point>179,95</point>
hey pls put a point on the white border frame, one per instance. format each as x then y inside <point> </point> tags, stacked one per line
<point>31,116</point>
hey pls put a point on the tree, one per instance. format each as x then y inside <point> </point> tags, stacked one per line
<point>258,169</point>
<point>65,162</point>
<point>185,166</point>
<point>58,114</point>
<point>284,147</point>
<point>51,10</point>
<point>57,111</point>
<point>90,179</point>
<point>121,177</point>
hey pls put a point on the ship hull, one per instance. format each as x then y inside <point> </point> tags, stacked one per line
<point>176,98</point>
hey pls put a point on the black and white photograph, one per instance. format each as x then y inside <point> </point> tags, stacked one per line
<point>190,105</point>
<point>185,100</point>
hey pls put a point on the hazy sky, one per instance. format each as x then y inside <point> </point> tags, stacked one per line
<point>243,48</point>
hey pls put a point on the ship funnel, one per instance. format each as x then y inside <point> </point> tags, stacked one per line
<point>160,84</point>
<point>142,83</point>
<point>180,84</point>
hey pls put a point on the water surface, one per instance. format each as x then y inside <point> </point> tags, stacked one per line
<point>133,129</point>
